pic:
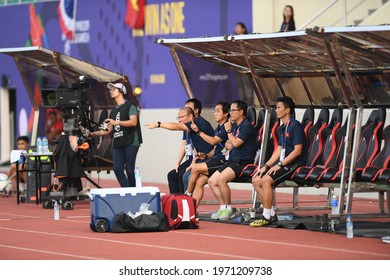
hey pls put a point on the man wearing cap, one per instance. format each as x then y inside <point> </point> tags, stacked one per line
<point>124,126</point>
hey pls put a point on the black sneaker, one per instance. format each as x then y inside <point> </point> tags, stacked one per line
<point>274,218</point>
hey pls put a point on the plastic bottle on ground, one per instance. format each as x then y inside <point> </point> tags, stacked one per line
<point>334,204</point>
<point>285,217</point>
<point>349,226</point>
<point>137,174</point>
<point>56,211</point>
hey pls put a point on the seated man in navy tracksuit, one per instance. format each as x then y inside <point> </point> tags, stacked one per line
<point>242,137</point>
<point>290,154</point>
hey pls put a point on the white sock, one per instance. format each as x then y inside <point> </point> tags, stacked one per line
<point>267,213</point>
<point>229,207</point>
<point>222,207</point>
<point>272,211</point>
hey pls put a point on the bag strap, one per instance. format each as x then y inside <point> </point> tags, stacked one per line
<point>192,207</point>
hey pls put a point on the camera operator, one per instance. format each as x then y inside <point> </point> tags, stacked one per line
<point>124,126</point>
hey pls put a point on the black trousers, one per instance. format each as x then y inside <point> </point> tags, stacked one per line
<point>175,179</point>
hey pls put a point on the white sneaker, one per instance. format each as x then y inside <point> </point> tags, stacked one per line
<point>215,215</point>
<point>386,239</point>
<point>225,215</point>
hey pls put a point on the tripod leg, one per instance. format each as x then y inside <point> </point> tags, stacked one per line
<point>92,182</point>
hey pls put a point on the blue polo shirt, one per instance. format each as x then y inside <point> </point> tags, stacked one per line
<point>199,144</point>
<point>292,136</point>
<point>220,132</point>
<point>247,133</point>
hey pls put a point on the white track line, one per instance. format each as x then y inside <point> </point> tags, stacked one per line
<point>133,243</point>
<point>24,216</point>
<point>38,217</point>
<point>240,239</point>
<point>283,243</point>
<point>48,252</point>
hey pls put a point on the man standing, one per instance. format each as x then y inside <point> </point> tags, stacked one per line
<point>124,126</point>
<point>290,154</point>
<point>242,137</point>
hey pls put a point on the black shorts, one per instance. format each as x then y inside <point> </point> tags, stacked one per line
<point>213,164</point>
<point>236,165</point>
<point>284,173</point>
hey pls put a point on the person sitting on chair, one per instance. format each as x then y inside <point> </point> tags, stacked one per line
<point>242,136</point>
<point>290,154</point>
<point>199,148</point>
<point>23,143</point>
<point>201,172</point>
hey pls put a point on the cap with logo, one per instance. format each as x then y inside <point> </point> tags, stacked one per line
<point>118,86</point>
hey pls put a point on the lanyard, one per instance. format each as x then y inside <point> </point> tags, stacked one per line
<point>188,138</point>
<point>284,139</point>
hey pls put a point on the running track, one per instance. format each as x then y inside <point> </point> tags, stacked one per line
<point>28,232</point>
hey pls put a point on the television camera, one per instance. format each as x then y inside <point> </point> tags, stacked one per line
<point>74,102</point>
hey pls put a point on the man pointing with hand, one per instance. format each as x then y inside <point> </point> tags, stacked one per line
<point>202,149</point>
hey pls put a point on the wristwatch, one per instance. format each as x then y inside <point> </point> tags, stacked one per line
<point>158,124</point>
<point>228,131</point>
<point>280,163</point>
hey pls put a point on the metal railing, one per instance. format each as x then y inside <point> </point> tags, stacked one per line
<point>348,12</point>
<point>343,17</point>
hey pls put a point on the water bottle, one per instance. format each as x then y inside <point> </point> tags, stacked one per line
<point>349,225</point>
<point>137,174</point>
<point>334,204</point>
<point>285,217</point>
<point>45,144</point>
<point>56,211</point>
<point>238,218</point>
<point>39,145</point>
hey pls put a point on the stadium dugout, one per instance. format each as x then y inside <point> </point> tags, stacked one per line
<point>339,74</point>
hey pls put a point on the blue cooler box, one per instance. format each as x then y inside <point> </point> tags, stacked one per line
<point>105,204</point>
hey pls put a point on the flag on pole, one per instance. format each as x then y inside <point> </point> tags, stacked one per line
<point>66,17</point>
<point>135,14</point>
